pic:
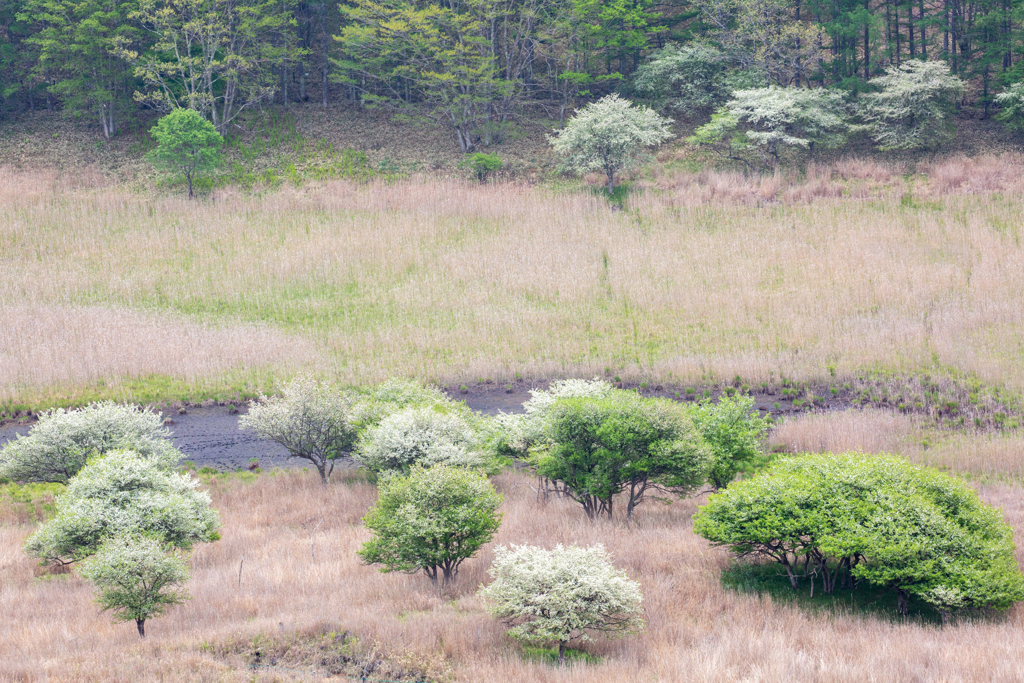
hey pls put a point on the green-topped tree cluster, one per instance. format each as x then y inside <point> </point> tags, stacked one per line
<point>844,519</point>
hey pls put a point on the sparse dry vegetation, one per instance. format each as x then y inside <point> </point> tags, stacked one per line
<point>299,610</point>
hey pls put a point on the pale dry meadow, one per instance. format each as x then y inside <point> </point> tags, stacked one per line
<point>294,590</point>
<point>850,266</point>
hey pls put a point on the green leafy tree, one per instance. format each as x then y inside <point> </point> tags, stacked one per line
<point>764,121</point>
<point>312,421</point>
<point>186,144</point>
<point>59,444</point>
<point>216,57</point>
<point>609,135</point>
<point>484,164</point>
<point>77,44</point>
<point>733,431</point>
<point>624,444</point>
<point>431,520</point>
<point>914,106</point>
<point>849,518</point>
<point>561,595</point>
<point>124,493</point>
<point>136,579</point>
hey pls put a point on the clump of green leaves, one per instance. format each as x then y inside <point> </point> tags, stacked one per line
<point>561,595</point>
<point>187,144</point>
<point>1012,103</point>
<point>431,520</point>
<point>734,433</point>
<point>484,165</point>
<point>842,519</point>
<point>692,78</point>
<point>136,579</point>
<point>609,135</point>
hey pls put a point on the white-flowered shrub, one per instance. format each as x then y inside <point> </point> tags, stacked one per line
<point>425,436</point>
<point>555,597</point>
<point>57,446</point>
<point>914,107</point>
<point>124,493</point>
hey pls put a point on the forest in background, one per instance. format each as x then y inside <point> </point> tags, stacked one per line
<point>478,66</point>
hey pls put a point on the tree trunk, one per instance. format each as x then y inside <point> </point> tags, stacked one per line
<point>902,601</point>
<point>141,625</point>
<point>611,182</point>
<point>188,175</point>
<point>561,653</point>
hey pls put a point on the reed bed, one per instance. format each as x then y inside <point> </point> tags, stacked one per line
<point>696,629</point>
<point>450,281</point>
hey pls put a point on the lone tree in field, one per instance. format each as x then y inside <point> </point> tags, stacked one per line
<point>136,579</point>
<point>310,420</point>
<point>187,144</point>
<point>58,445</point>
<point>431,520</point>
<point>622,444</point>
<point>609,135</point>
<point>119,494</point>
<point>561,595</point>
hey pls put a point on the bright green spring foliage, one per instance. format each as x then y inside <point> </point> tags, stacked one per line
<point>622,444</point>
<point>59,444</point>
<point>124,493</point>
<point>136,579</point>
<point>914,107</point>
<point>561,595</point>
<point>431,520</point>
<point>1012,102</point>
<point>609,135</point>
<point>734,432</point>
<point>187,144</point>
<point>847,518</point>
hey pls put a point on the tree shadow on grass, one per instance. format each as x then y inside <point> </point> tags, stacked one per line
<point>864,600</point>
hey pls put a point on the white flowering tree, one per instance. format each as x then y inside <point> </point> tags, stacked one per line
<point>310,420</point>
<point>1012,103</point>
<point>555,597</point>
<point>609,135</point>
<point>425,436</point>
<point>124,493</point>
<point>431,520</point>
<point>58,445</point>
<point>764,121</point>
<point>914,106</point>
<point>136,579</point>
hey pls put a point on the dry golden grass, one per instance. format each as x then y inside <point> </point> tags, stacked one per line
<point>453,281</point>
<point>697,631</point>
<point>867,431</point>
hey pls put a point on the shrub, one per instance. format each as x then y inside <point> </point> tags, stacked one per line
<point>764,121</point>
<point>733,431</point>
<point>914,107</point>
<point>605,446</point>
<point>392,396</point>
<point>425,436</point>
<point>609,135</point>
<point>431,520</point>
<point>119,494</point>
<point>58,446</point>
<point>187,144</point>
<point>561,595</point>
<point>1012,104</point>
<point>484,164</point>
<point>310,420</point>
<point>136,579</point>
<point>875,518</point>
<point>690,78</point>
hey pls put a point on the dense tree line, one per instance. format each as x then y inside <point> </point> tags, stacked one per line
<point>474,65</point>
